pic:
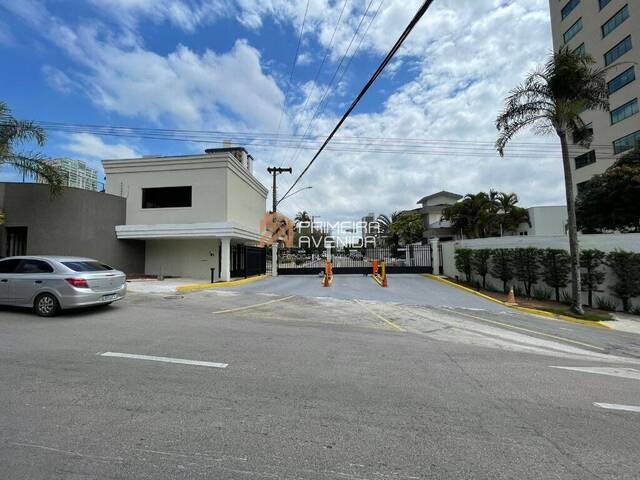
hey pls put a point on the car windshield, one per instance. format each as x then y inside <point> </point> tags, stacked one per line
<point>87,266</point>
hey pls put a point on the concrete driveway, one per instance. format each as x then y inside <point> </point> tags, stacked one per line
<point>265,381</point>
<point>402,289</point>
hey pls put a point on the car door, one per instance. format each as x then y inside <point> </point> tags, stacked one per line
<point>7,275</point>
<point>29,278</point>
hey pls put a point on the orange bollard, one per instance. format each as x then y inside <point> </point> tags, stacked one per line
<point>375,267</point>
<point>384,275</point>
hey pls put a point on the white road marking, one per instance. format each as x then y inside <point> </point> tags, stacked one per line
<point>615,406</point>
<point>153,358</point>
<point>239,309</point>
<point>612,371</point>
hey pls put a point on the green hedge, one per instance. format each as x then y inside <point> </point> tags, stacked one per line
<point>522,268</point>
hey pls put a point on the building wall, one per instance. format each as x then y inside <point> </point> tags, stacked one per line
<point>548,220</point>
<point>78,222</point>
<point>223,190</point>
<point>182,258</point>
<point>246,205</point>
<point>606,243</point>
<point>591,35</point>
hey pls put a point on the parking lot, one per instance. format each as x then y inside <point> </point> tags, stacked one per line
<point>283,378</point>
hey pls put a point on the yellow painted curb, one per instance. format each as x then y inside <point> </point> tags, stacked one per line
<point>206,286</point>
<point>534,311</point>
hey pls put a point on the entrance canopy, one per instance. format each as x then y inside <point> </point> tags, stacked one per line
<point>186,230</point>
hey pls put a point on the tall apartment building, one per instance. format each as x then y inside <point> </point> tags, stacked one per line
<point>76,173</point>
<point>609,31</point>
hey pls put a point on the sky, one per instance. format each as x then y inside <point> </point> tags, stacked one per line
<point>427,124</point>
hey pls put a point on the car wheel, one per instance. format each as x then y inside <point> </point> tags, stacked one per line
<point>46,305</point>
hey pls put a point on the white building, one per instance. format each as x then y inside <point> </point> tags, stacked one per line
<point>609,31</point>
<point>76,173</point>
<point>431,210</point>
<point>547,220</point>
<point>192,211</point>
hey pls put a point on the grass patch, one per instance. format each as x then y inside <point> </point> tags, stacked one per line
<point>590,316</point>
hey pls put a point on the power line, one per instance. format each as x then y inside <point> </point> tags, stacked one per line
<point>387,59</point>
<point>249,136</point>
<point>324,59</point>
<point>330,84</point>
<point>441,148</point>
<point>293,65</point>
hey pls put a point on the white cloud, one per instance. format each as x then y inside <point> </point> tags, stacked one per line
<point>448,85</point>
<point>6,38</point>
<point>186,15</point>
<point>58,80</point>
<point>92,147</point>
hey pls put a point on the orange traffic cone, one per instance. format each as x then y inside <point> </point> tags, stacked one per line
<point>511,299</point>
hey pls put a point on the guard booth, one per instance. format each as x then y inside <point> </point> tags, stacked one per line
<point>248,261</point>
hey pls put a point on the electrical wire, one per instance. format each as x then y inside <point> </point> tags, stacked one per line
<point>293,65</point>
<point>331,82</point>
<point>318,71</point>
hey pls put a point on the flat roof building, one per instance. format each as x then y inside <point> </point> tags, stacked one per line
<point>76,173</point>
<point>609,31</point>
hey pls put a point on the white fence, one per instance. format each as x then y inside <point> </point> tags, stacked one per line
<point>606,243</point>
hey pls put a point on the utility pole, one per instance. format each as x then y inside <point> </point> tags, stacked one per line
<point>275,171</point>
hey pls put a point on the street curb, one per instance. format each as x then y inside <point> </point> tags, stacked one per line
<point>206,286</point>
<point>534,311</point>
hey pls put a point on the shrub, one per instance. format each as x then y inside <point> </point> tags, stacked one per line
<point>541,293</point>
<point>480,264</point>
<point>463,262</point>
<point>567,299</point>
<point>556,266</point>
<point>626,267</point>
<point>502,266</point>
<point>606,304</point>
<point>591,261</point>
<point>526,262</point>
<point>491,287</point>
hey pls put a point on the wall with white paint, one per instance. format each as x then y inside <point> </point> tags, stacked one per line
<point>606,243</point>
<point>182,258</point>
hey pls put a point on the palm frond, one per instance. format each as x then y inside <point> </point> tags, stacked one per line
<point>36,166</point>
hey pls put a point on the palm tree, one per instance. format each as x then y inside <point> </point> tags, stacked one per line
<point>302,217</point>
<point>551,100</point>
<point>13,132</point>
<point>387,232</point>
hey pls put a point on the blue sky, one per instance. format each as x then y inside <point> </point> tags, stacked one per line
<point>224,65</point>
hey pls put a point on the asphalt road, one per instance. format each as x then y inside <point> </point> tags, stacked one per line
<point>369,386</point>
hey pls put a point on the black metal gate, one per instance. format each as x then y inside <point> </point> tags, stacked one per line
<point>410,259</point>
<point>247,261</point>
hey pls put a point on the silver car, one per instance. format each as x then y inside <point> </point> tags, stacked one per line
<point>49,284</point>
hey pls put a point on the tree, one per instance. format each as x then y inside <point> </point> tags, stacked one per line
<point>591,261</point>
<point>302,217</point>
<point>527,266</point>
<point>408,227</point>
<point>626,267</point>
<point>473,215</point>
<point>502,266</point>
<point>14,132</point>
<point>463,262</point>
<point>556,267</point>
<point>480,264</point>
<point>552,100</point>
<point>611,201</point>
<point>483,214</point>
<point>389,234</point>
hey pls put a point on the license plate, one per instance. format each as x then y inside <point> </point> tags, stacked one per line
<point>113,296</point>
